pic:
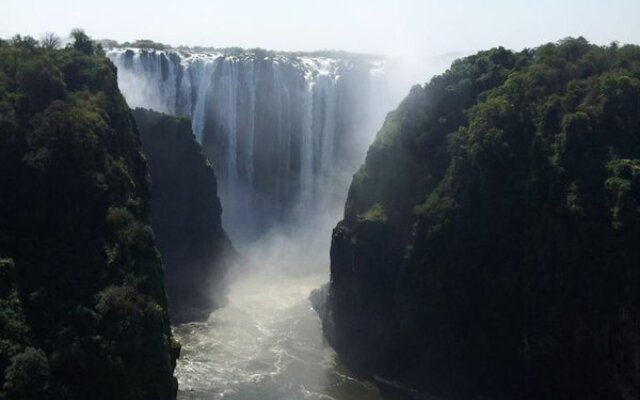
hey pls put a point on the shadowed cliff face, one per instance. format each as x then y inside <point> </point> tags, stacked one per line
<point>489,244</point>
<point>82,300</point>
<point>284,133</point>
<point>186,216</point>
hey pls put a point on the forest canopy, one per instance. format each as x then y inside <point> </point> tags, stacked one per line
<point>497,215</point>
<point>83,311</point>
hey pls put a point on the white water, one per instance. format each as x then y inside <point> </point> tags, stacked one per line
<point>266,344</point>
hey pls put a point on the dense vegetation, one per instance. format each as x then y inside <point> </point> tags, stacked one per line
<point>186,215</point>
<point>82,301</point>
<point>490,241</point>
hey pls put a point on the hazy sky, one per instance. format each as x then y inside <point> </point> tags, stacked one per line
<point>428,27</point>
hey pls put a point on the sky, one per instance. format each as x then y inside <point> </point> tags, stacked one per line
<point>392,27</point>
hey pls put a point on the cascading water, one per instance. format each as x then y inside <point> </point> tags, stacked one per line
<point>284,134</point>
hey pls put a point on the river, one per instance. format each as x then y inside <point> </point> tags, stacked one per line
<point>266,344</point>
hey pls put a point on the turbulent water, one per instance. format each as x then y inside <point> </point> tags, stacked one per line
<point>284,133</point>
<point>266,344</point>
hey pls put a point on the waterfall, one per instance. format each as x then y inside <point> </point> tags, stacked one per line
<point>283,132</point>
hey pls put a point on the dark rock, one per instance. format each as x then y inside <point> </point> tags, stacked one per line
<point>186,215</point>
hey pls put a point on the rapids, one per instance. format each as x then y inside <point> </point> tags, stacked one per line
<point>266,344</point>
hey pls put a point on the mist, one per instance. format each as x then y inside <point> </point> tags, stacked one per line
<point>309,123</point>
<point>284,134</point>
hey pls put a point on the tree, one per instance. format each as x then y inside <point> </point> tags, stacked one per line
<point>81,41</point>
<point>26,42</point>
<point>50,41</point>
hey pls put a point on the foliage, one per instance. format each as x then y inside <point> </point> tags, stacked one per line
<point>50,41</point>
<point>510,189</point>
<point>82,42</point>
<point>375,213</point>
<point>82,303</point>
<point>146,44</point>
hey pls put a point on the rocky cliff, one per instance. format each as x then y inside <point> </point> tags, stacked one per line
<point>489,243</point>
<point>83,311</point>
<point>186,215</point>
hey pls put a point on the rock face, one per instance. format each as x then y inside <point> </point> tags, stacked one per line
<point>279,129</point>
<point>83,312</point>
<point>489,244</point>
<point>186,213</point>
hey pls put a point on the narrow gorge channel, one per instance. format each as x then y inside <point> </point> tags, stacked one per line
<point>284,133</point>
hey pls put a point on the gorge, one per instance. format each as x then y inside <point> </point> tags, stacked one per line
<point>168,224</point>
<point>284,133</point>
